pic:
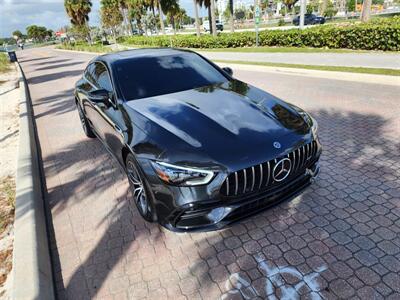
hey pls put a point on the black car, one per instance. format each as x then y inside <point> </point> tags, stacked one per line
<point>309,19</point>
<point>200,148</point>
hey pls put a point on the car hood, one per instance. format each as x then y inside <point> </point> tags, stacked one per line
<point>231,124</point>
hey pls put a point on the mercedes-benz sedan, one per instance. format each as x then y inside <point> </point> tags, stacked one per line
<point>200,148</point>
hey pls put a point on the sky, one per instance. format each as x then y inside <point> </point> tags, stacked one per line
<point>18,14</point>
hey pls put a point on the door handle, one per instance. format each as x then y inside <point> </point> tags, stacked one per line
<point>118,129</point>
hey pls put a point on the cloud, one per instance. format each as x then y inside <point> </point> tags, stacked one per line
<point>17,14</point>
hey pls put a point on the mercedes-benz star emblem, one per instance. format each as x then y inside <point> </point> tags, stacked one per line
<point>277,145</point>
<point>282,169</point>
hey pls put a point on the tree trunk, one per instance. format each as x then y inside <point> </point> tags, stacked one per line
<point>231,21</point>
<point>125,20</point>
<point>209,20</point>
<point>114,35</point>
<point>160,13</point>
<point>88,33</point>
<point>323,7</point>
<point>214,27</point>
<point>173,25</point>
<point>366,10</point>
<point>196,17</point>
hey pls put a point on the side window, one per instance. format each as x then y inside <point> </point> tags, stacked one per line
<point>102,77</point>
<point>89,74</point>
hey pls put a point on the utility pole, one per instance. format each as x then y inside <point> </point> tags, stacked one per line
<point>256,19</point>
<point>302,12</point>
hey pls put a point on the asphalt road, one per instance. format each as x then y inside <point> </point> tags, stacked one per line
<point>339,239</point>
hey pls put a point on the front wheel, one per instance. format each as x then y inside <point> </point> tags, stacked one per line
<point>139,190</point>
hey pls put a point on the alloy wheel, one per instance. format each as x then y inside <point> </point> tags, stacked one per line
<point>137,187</point>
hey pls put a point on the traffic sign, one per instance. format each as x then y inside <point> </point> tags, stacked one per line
<point>257,15</point>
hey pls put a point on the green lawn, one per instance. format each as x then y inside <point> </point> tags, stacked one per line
<point>4,63</point>
<point>378,71</point>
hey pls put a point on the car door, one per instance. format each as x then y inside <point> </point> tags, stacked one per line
<point>109,118</point>
<point>85,88</point>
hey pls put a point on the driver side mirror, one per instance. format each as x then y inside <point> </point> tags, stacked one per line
<point>228,70</point>
<point>100,96</point>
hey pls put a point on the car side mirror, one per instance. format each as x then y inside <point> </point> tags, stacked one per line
<point>100,96</point>
<point>228,70</point>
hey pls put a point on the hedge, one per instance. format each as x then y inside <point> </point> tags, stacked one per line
<point>376,35</point>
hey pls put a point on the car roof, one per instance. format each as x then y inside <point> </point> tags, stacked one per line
<point>110,58</point>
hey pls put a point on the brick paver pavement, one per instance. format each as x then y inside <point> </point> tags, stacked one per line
<point>338,239</point>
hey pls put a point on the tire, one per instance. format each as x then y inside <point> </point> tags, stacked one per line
<point>85,123</point>
<point>139,189</point>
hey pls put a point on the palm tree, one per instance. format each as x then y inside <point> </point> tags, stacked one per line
<point>209,4</point>
<point>214,24</point>
<point>136,11</point>
<point>196,17</point>
<point>123,6</point>
<point>111,16</point>
<point>173,14</point>
<point>289,4</point>
<point>160,14</point>
<point>323,7</point>
<point>78,11</point>
<point>231,16</point>
<point>366,10</point>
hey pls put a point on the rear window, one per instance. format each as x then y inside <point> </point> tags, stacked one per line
<point>144,77</point>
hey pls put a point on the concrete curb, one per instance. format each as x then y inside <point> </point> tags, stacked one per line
<point>32,272</point>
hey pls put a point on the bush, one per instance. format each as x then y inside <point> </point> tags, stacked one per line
<point>281,22</point>
<point>84,46</point>
<point>376,35</point>
<point>4,62</point>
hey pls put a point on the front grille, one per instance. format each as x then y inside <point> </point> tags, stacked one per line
<point>259,177</point>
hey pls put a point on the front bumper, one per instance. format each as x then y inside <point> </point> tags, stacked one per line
<point>203,208</point>
<point>215,216</point>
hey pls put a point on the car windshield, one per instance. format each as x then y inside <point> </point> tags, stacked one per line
<point>149,76</point>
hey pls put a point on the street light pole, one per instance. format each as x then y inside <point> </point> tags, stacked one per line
<point>302,12</point>
<point>256,18</point>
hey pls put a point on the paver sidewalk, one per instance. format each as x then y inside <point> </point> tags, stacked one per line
<point>339,239</point>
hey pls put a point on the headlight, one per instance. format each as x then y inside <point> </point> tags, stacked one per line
<point>314,127</point>
<point>177,175</point>
<point>309,120</point>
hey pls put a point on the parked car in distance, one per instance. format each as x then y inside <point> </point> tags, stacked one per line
<point>309,19</point>
<point>200,148</point>
<point>137,31</point>
<point>219,25</point>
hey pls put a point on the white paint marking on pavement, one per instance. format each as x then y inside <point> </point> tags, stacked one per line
<point>236,284</point>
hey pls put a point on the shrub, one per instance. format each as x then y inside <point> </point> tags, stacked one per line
<point>382,34</point>
<point>4,62</point>
<point>83,46</point>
